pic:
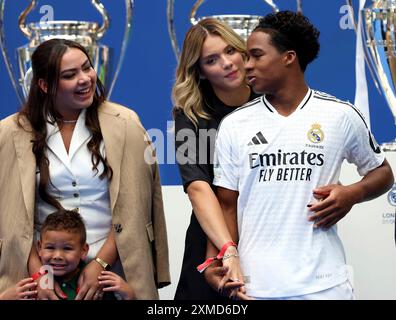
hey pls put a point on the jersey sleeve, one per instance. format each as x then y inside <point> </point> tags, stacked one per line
<point>361,146</point>
<point>191,152</point>
<point>225,163</point>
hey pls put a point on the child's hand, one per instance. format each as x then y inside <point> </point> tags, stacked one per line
<point>24,289</point>
<point>112,282</point>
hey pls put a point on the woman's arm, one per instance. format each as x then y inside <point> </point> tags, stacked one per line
<point>226,276</point>
<point>228,200</point>
<point>210,216</point>
<point>109,252</point>
<point>88,283</point>
<point>208,212</point>
<point>34,262</point>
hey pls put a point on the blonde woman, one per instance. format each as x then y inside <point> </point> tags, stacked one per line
<point>210,83</point>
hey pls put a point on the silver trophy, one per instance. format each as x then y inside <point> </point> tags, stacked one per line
<point>380,51</point>
<point>392,196</point>
<point>243,25</point>
<point>86,33</point>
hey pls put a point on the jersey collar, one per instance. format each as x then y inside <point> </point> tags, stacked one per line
<point>301,105</point>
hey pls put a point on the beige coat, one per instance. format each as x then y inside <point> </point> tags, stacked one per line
<point>135,197</point>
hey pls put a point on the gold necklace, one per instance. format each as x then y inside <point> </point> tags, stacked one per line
<point>69,121</point>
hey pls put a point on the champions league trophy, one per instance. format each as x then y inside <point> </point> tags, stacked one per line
<point>380,37</point>
<point>243,25</point>
<point>86,33</point>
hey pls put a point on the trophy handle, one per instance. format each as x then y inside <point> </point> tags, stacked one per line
<point>22,18</point>
<point>129,5</point>
<point>272,4</point>
<point>170,13</point>
<point>299,6</point>
<point>6,56</point>
<point>367,57</point>
<point>194,10</point>
<point>105,16</point>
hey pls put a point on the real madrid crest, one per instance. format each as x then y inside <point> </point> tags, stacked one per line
<point>315,134</point>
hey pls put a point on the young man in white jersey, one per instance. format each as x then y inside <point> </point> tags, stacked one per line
<point>277,165</point>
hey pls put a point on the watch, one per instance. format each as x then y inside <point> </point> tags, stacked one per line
<point>104,265</point>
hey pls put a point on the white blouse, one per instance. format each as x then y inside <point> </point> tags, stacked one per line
<point>76,185</point>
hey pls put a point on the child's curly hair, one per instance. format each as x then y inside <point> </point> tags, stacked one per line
<point>65,220</point>
<point>292,31</point>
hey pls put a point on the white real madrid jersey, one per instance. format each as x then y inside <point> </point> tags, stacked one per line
<point>275,162</point>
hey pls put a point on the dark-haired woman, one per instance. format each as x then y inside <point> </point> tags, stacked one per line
<point>69,147</point>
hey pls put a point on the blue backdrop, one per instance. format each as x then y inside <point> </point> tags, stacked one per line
<point>147,74</point>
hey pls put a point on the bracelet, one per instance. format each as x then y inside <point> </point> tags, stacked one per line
<point>227,256</point>
<point>201,268</point>
<point>38,274</point>
<point>225,247</point>
<point>103,264</point>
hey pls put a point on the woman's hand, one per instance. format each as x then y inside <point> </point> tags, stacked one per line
<point>112,282</point>
<point>214,275</point>
<point>88,284</point>
<point>234,273</point>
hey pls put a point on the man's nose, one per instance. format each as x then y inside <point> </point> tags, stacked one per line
<point>249,64</point>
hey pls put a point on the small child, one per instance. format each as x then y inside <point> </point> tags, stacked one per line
<point>112,282</point>
<point>63,247</point>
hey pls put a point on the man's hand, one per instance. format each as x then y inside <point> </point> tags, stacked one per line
<point>335,201</point>
<point>214,275</point>
<point>234,273</point>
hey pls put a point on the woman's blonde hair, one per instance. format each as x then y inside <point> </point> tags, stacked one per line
<point>189,90</point>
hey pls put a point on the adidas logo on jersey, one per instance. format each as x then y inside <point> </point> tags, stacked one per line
<point>258,139</point>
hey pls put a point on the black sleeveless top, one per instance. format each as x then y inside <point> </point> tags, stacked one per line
<point>192,284</point>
